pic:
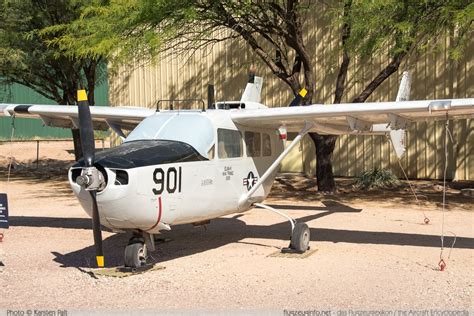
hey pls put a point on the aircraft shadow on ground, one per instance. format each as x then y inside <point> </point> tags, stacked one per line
<point>330,206</point>
<point>187,240</point>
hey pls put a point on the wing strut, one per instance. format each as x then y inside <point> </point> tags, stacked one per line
<point>246,200</point>
<point>116,128</point>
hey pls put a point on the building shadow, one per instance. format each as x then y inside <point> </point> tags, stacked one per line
<point>53,222</point>
<point>50,222</point>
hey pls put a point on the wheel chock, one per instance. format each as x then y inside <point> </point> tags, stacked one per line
<point>291,250</point>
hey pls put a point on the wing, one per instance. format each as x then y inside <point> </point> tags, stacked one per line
<point>356,118</point>
<point>117,118</point>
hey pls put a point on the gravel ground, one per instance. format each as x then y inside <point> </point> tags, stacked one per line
<point>373,251</point>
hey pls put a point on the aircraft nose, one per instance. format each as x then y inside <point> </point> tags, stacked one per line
<point>115,191</point>
<point>124,203</point>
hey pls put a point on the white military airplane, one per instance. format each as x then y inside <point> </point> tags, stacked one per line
<point>190,166</point>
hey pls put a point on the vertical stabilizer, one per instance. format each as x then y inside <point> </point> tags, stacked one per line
<point>253,90</point>
<point>404,89</point>
<point>397,136</point>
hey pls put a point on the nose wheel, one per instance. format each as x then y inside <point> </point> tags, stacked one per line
<point>135,253</point>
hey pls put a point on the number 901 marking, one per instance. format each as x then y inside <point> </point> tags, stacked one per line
<point>172,181</point>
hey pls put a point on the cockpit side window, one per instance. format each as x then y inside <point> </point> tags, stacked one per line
<point>267,145</point>
<point>253,144</point>
<point>229,143</point>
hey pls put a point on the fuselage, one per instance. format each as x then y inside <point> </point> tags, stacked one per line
<point>181,167</point>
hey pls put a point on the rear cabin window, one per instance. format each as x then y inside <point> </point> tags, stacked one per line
<point>266,145</point>
<point>253,144</point>
<point>229,143</point>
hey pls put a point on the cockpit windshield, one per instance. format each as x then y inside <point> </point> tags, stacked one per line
<point>192,128</point>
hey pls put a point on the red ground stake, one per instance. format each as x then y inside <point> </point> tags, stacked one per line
<point>442,265</point>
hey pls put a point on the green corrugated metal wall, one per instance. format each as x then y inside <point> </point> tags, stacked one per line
<point>33,128</point>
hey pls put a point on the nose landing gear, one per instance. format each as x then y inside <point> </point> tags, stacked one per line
<point>135,254</point>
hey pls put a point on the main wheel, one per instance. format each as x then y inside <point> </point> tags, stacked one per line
<point>300,238</point>
<point>135,255</point>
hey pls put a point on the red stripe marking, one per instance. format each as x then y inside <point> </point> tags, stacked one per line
<point>159,214</point>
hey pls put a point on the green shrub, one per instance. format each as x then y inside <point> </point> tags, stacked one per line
<point>376,179</point>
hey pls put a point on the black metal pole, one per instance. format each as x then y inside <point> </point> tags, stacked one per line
<point>37,153</point>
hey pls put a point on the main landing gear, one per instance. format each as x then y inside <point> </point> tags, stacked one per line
<point>300,238</point>
<point>300,234</point>
<point>136,252</point>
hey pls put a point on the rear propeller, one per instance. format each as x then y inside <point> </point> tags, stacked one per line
<point>299,97</point>
<point>90,179</point>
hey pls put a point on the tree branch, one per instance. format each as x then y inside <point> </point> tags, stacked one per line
<point>247,36</point>
<point>341,76</point>
<point>380,78</point>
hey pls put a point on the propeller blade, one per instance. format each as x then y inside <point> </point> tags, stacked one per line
<point>99,251</point>
<point>86,132</point>
<point>210,97</point>
<point>86,129</point>
<point>299,97</point>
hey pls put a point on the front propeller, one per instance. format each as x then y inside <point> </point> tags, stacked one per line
<point>90,179</point>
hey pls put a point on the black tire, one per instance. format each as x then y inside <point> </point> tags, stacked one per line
<point>300,238</point>
<point>135,255</point>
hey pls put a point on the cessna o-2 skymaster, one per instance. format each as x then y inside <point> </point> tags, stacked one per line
<point>189,166</point>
